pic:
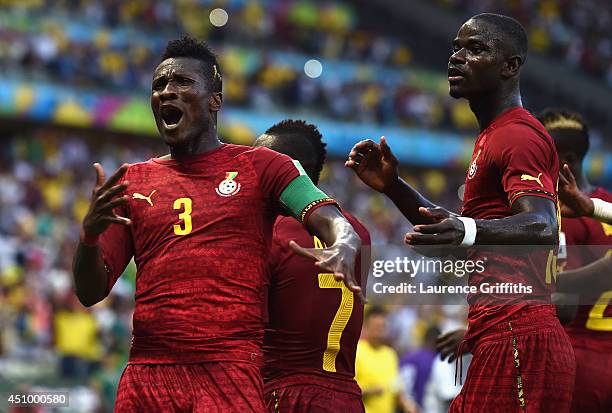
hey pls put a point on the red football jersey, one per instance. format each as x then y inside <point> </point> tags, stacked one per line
<point>513,157</point>
<point>315,321</point>
<point>200,236</point>
<point>592,326</point>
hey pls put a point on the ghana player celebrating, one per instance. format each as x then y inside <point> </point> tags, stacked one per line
<point>199,226</point>
<point>309,354</point>
<point>576,203</point>
<point>589,274</point>
<point>522,358</point>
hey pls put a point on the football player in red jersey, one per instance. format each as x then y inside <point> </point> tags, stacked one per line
<point>591,330</point>
<point>199,226</point>
<point>309,355</point>
<point>522,357</point>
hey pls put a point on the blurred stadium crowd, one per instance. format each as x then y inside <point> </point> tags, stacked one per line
<point>114,45</point>
<point>46,336</point>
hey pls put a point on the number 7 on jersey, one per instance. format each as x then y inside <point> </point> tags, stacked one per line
<point>341,319</point>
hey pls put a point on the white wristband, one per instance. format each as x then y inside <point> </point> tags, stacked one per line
<point>602,210</point>
<point>469,226</point>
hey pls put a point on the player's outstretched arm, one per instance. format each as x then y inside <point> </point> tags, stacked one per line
<point>534,223</point>
<point>90,276</point>
<point>376,166</point>
<point>594,277</point>
<point>344,245</point>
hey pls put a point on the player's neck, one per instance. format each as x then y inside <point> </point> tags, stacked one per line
<point>203,144</point>
<point>487,108</point>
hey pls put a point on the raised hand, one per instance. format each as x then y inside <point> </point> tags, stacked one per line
<point>338,259</point>
<point>104,200</point>
<point>448,343</point>
<point>374,163</point>
<point>574,202</point>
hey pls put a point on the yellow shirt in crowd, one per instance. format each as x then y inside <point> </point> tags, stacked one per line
<point>378,367</point>
<point>76,334</point>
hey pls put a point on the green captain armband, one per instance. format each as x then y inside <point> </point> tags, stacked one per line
<point>301,197</point>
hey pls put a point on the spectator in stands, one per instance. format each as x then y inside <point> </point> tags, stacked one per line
<point>76,340</point>
<point>415,367</point>
<point>377,368</point>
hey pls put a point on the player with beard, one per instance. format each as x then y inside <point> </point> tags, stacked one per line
<point>309,355</point>
<point>199,226</point>
<point>591,329</point>
<point>522,358</point>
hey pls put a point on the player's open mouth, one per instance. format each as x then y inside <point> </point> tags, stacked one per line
<point>171,116</point>
<point>455,75</point>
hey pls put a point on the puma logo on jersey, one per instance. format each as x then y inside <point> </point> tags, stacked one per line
<point>136,195</point>
<point>526,177</point>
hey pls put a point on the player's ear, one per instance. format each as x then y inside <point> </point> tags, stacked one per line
<point>215,101</point>
<point>511,67</point>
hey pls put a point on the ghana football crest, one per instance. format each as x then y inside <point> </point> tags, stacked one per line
<point>228,186</point>
<point>474,165</point>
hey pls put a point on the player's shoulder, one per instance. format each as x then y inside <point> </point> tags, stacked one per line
<point>520,130</point>
<point>138,168</point>
<point>233,149</point>
<point>260,157</point>
<point>253,151</point>
<point>519,124</point>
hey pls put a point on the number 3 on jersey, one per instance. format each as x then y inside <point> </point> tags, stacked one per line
<point>185,216</point>
<point>341,319</point>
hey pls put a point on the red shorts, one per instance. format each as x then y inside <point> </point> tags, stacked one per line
<point>593,387</point>
<point>311,398</point>
<point>525,364</point>
<point>204,387</point>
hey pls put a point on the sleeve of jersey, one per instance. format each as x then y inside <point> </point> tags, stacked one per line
<point>526,161</point>
<point>117,248</point>
<point>285,181</point>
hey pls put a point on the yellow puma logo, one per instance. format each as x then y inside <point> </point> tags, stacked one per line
<point>136,195</point>
<point>526,177</point>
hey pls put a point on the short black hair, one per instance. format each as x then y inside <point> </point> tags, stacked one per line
<point>568,129</point>
<point>374,311</point>
<point>510,31</point>
<point>300,140</point>
<point>188,46</point>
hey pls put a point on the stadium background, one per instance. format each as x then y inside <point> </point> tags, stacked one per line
<point>74,90</point>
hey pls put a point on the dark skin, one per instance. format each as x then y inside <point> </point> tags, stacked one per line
<point>483,70</point>
<point>179,84</point>
<point>448,343</point>
<point>592,277</point>
<point>574,201</point>
<point>346,234</point>
<point>185,111</point>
